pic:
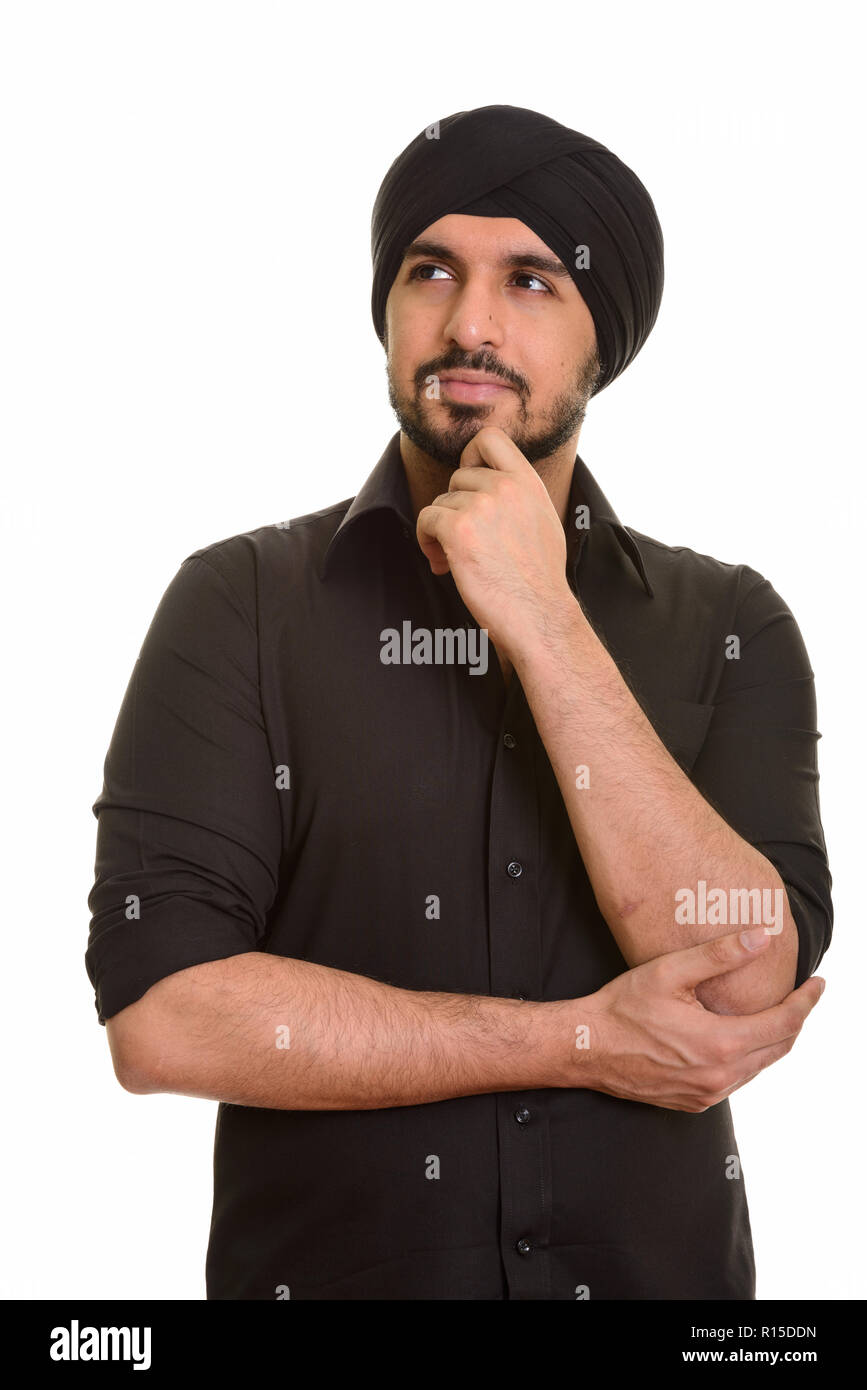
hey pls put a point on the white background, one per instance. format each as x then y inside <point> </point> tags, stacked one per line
<point>187,353</point>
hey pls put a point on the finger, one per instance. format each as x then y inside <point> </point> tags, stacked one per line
<point>687,968</point>
<point>431,524</point>
<point>784,1020</point>
<point>473,479</point>
<point>759,1060</point>
<point>491,447</point>
<point>451,499</point>
<point>766,1056</point>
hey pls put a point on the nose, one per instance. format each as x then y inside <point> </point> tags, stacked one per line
<point>475,319</point>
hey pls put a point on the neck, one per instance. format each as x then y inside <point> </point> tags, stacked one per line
<point>427,478</point>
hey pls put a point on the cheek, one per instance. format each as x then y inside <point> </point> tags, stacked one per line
<point>407,350</point>
<point>556,373</point>
<point>547,375</point>
<point>395,324</point>
<point>414,330</point>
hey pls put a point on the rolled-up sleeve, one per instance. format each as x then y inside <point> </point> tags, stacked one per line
<point>759,763</point>
<point>188,835</point>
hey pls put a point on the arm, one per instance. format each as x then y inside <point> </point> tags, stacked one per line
<point>357,1044</point>
<point>221,1031</point>
<point>643,828</point>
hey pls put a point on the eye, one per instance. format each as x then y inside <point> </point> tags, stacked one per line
<point>415,275</point>
<point>526,275</point>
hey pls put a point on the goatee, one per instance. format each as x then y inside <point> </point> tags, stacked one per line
<point>445,443</point>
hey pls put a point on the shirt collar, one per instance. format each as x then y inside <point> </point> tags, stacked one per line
<point>386,490</point>
<point>585,490</point>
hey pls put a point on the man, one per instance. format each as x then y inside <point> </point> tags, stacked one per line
<point>471,953</point>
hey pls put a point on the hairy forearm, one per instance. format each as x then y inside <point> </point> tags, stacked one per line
<point>263,1030</point>
<point>644,831</point>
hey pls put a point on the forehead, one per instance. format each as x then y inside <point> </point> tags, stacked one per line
<point>483,238</point>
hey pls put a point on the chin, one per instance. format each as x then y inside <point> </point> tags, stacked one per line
<point>451,416</point>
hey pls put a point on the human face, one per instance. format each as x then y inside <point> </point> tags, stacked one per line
<point>485,297</point>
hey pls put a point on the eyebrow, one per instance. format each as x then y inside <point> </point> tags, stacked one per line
<point>549,265</point>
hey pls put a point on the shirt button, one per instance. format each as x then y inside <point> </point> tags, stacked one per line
<point>523,1247</point>
<point>509,740</point>
<point>522,1115</point>
<point>515,869</point>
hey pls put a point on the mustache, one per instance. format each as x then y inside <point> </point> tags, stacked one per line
<point>452,362</point>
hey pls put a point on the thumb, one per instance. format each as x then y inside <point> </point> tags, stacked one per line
<point>687,968</point>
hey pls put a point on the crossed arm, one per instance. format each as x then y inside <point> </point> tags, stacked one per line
<point>644,831</point>
<point>659,1033</point>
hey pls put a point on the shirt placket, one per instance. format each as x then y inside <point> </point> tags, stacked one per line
<point>516,972</point>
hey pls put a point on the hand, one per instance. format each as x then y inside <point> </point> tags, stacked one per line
<point>498,532</point>
<point>651,1040</point>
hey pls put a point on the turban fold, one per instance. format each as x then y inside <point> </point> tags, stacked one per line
<point>505,161</point>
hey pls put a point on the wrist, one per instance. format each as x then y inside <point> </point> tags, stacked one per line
<point>571,1042</point>
<point>558,624</point>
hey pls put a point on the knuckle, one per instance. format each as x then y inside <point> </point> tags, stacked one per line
<point>718,951</point>
<point>725,1050</point>
<point>717,1079</point>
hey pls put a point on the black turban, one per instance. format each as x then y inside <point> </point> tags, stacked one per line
<point>505,161</point>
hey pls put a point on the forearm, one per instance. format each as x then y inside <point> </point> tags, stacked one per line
<point>263,1030</point>
<point>644,831</point>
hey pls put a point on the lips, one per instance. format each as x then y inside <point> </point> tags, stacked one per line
<point>466,386</point>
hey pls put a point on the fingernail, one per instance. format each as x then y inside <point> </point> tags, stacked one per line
<point>754,938</point>
<point>822,990</point>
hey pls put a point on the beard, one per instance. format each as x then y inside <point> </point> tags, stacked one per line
<point>536,439</point>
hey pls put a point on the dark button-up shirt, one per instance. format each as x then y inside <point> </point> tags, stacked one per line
<point>274,785</point>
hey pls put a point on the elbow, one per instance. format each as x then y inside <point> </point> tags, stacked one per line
<point>758,985</point>
<point>136,1079</point>
<point>133,1065</point>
